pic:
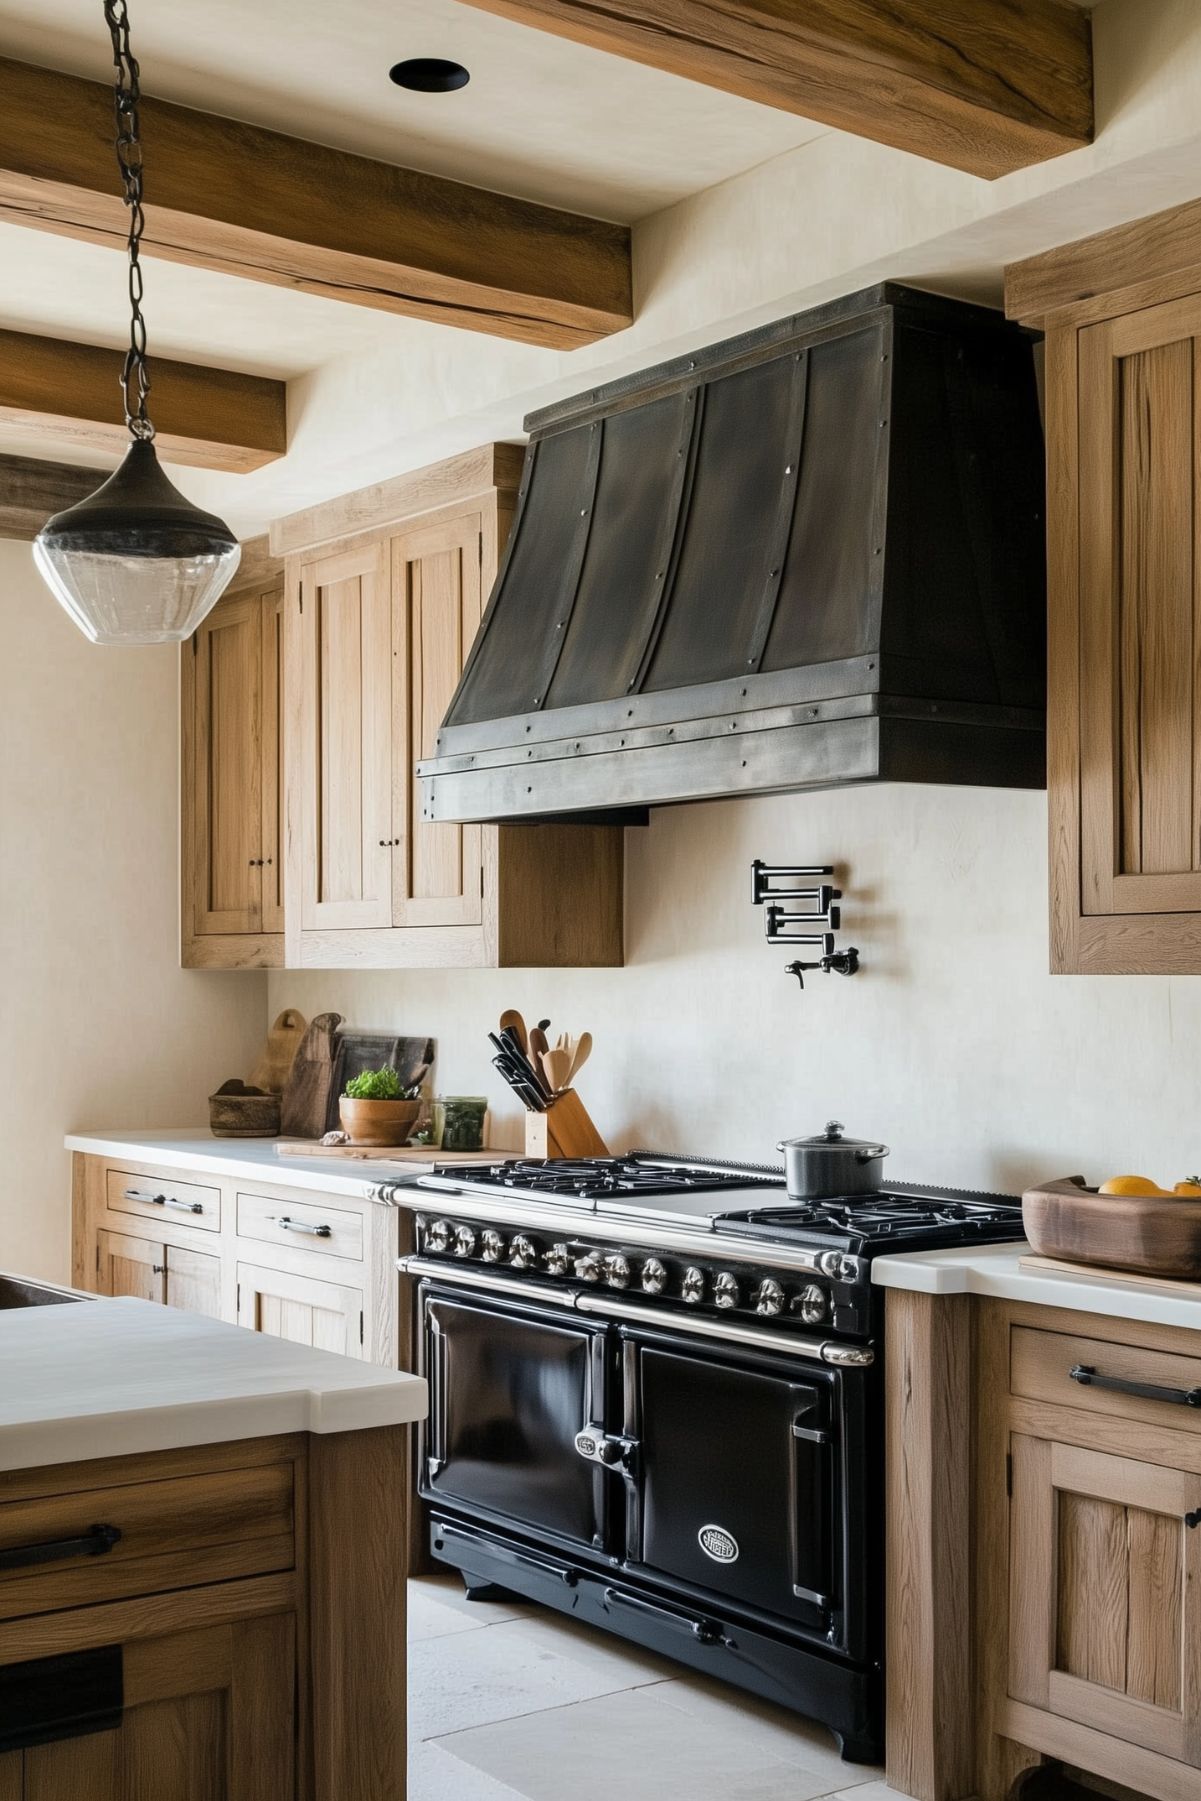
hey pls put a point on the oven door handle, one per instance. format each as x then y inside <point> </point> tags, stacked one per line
<point>842,1356</point>
<point>458,1276</point>
<point>435,1461</point>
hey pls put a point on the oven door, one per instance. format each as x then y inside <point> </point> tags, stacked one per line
<point>740,1484</point>
<point>511,1386</point>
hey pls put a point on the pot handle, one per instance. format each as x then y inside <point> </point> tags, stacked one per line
<point>870,1152</point>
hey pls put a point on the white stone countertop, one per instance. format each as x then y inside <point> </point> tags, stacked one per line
<point>109,1378</point>
<point>193,1148</point>
<point>993,1270</point>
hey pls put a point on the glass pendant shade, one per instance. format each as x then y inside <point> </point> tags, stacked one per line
<point>136,563</point>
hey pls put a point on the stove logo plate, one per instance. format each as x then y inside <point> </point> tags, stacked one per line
<point>718,1544</point>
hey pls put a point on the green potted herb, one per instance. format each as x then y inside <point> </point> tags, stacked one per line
<point>375,1109</point>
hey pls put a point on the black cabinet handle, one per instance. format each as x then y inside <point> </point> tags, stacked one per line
<point>295,1225</point>
<point>1087,1377</point>
<point>95,1542</point>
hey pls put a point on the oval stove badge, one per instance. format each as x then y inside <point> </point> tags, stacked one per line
<point>718,1544</point>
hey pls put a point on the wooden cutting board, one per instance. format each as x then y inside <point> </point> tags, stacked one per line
<point>1096,1272</point>
<point>384,1153</point>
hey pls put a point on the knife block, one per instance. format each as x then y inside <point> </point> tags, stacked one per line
<point>563,1130</point>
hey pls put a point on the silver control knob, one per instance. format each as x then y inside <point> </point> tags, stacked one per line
<point>557,1260</point>
<point>438,1235</point>
<point>812,1305</point>
<point>590,1267</point>
<point>769,1298</point>
<point>725,1290</point>
<point>492,1245</point>
<point>692,1287</point>
<point>654,1276</point>
<point>523,1252</point>
<point>617,1270</point>
<point>464,1241</point>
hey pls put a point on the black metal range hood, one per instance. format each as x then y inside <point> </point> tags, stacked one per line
<point>809,556</point>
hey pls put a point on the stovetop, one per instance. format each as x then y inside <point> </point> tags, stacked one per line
<point>746,1201</point>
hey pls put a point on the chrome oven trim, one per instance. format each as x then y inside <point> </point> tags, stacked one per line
<point>843,1356</point>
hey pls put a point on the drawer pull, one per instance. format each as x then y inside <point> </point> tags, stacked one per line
<point>1087,1376</point>
<point>1193,1519</point>
<point>164,1200</point>
<point>95,1542</point>
<point>296,1225</point>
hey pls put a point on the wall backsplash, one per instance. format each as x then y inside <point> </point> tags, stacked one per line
<point>954,1044</point>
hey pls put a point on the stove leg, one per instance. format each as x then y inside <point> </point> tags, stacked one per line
<point>479,1589</point>
<point>859,1750</point>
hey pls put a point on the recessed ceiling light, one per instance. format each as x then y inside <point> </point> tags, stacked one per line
<point>429,75</point>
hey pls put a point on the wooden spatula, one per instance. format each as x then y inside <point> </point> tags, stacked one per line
<point>511,1020</point>
<point>556,1067</point>
<point>582,1052</point>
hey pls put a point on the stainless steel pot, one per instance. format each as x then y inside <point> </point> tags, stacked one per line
<point>829,1164</point>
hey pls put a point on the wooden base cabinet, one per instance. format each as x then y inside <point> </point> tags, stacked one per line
<point>313,1268</point>
<point>385,592</point>
<point>258,1656</point>
<point>1089,1543</point>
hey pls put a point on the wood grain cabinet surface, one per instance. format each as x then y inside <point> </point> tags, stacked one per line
<point>1123,418</point>
<point>1089,1593</point>
<point>244,1633</point>
<point>385,592</point>
<point>232,861</point>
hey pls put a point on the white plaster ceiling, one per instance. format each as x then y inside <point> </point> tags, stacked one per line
<point>541,117</point>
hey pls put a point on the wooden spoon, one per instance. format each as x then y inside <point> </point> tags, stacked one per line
<point>538,1048</point>
<point>512,1020</point>
<point>581,1054</point>
<point>556,1066</point>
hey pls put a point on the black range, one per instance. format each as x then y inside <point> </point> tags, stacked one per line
<point>656,1403</point>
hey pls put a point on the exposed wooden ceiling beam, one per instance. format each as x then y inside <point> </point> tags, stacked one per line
<point>214,418</point>
<point>988,86</point>
<point>30,491</point>
<point>223,195</point>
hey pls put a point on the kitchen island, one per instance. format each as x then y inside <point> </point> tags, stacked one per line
<point>199,1589</point>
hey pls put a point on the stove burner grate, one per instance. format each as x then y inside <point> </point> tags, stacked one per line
<point>592,1178</point>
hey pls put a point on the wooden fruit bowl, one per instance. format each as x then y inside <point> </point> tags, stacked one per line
<point>1155,1235</point>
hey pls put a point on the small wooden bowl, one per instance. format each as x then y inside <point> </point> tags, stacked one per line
<point>378,1122</point>
<point>1154,1235</point>
<point>236,1111</point>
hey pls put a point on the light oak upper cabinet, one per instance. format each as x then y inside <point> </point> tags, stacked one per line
<point>1123,404</point>
<point>232,798</point>
<point>385,591</point>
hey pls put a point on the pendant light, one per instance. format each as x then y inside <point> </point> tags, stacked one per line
<point>135,563</point>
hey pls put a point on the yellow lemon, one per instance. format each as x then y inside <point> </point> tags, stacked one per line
<point>1130,1185</point>
<point>1191,1186</point>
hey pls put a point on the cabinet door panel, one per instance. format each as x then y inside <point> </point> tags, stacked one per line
<point>228,769</point>
<point>1105,1612</point>
<point>271,838</point>
<point>346,753</point>
<point>1140,613</point>
<point>436,613</point>
<point>136,1266</point>
<point>302,1309</point>
<point>193,1281</point>
<point>209,1716</point>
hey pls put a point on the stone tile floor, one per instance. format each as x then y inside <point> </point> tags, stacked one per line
<point>515,1703</point>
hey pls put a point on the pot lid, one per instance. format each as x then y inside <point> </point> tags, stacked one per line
<point>832,1140</point>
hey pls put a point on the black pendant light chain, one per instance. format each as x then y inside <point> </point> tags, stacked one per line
<point>135,379</point>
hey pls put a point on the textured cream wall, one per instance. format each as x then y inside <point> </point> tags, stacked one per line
<point>100,1026</point>
<point>953,1044</point>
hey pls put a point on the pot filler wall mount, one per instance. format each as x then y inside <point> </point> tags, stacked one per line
<point>807,557</point>
<point>815,908</point>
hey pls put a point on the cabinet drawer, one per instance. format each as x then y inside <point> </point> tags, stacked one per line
<point>1041,1365</point>
<point>162,1197</point>
<point>177,1533</point>
<point>301,1225</point>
